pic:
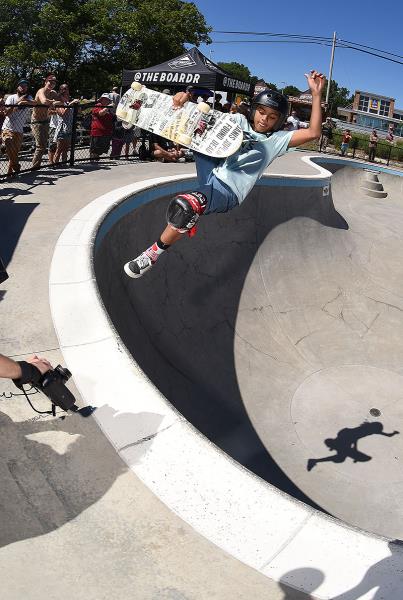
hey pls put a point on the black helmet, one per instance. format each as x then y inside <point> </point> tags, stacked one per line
<point>272,99</point>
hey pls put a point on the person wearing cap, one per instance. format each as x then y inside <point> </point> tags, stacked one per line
<point>46,97</point>
<point>115,96</point>
<point>16,110</point>
<point>103,116</point>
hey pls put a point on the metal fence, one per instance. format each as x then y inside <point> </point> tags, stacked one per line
<point>35,137</point>
<point>62,136</point>
<point>359,147</point>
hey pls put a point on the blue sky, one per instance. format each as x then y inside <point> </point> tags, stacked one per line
<point>377,24</point>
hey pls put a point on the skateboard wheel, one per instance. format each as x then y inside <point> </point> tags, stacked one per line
<point>203,107</point>
<point>184,139</point>
<point>121,113</point>
<point>136,86</point>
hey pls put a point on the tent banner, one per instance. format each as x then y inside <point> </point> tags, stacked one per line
<point>230,83</point>
<point>165,77</point>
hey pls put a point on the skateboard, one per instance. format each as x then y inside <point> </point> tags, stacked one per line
<point>196,126</point>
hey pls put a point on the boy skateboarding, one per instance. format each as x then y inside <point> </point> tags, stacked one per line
<point>225,183</point>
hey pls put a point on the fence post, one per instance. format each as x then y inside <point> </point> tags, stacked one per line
<point>73,134</point>
<point>389,155</point>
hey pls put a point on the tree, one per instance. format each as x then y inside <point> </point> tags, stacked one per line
<point>338,96</point>
<point>291,90</point>
<point>236,69</point>
<point>89,42</point>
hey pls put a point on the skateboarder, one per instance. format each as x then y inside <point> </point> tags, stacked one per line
<point>225,183</point>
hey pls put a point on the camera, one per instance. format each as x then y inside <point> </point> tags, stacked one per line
<point>52,384</point>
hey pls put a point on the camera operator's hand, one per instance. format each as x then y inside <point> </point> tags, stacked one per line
<point>40,363</point>
<point>12,369</point>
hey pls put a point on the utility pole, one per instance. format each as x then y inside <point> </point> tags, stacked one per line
<point>329,79</point>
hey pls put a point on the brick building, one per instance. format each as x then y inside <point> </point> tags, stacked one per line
<point>373,111</point>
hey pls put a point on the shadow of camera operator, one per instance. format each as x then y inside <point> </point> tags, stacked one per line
<point>310,577</point>
<point>53,469</point>
<point>13,218</point>
<point>345,444</point>
<point>378,578</point>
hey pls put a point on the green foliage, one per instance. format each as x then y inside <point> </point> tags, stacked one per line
<point>291,90</point>
<point>89,42</point>
<point>338,96</point>
<point>236,69</point>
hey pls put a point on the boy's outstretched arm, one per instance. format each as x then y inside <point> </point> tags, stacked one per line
<point>316,82</point>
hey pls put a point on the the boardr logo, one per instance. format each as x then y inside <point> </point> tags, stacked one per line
<point>184,62</point>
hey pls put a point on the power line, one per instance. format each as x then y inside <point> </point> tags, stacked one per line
<point>269,33</point>
<point>310,37</point>
<point>349,46</point>
<point>271,42</point>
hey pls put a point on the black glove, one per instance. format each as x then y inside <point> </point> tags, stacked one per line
<point>29,374</point>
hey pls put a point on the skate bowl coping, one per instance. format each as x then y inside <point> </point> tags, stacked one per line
<point>280,536</point>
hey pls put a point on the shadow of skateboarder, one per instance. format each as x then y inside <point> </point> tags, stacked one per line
<point>345,444</point>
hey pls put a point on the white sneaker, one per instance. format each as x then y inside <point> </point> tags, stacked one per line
<point>138,266</point>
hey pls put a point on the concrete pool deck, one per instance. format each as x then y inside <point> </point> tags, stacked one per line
<point>297,549</point>
<point>75,519</point>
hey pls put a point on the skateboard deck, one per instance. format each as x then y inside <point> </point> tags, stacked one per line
<point>196,126</point>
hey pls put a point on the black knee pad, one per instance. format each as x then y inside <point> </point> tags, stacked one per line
<point>184,211</point>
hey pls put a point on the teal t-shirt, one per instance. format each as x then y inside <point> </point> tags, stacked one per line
<point>241,170</point>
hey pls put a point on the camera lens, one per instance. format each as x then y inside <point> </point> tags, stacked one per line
<point>63,372</point>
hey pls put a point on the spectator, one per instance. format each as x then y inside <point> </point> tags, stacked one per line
<point>226,108</point>
<point>390,135</point>
<point>117,139</point>
<point>52,130</point>
<point>101,126</point>
<point>64,124</point>
<point>288,126</point>
<point>294,120</point>
<point>217,103</point>
<point>196,93</point>
<point>115,96</point>
<point>13,125</point>
<point>164,150</point>
<point>130,137</point>
<point>244,108</point>
<point>327,133</point>
<point>233,108</point>
<point>2,108</point>
<point>45,97</point>
<point>373,142</point>
<point>26,371</point>
<point>345,142</point>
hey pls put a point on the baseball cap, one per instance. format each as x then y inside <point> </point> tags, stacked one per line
<point>23,82</point>
<point>105,95</point>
